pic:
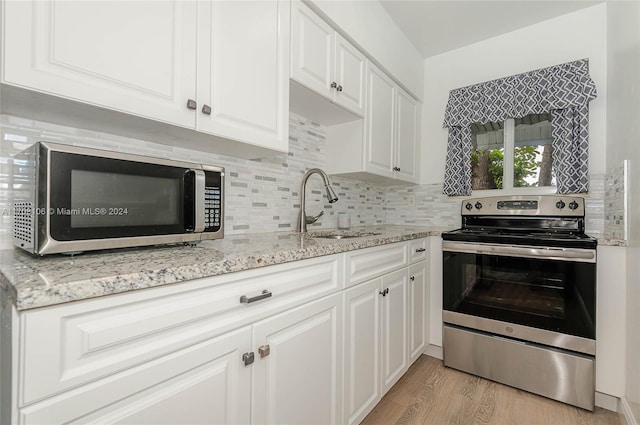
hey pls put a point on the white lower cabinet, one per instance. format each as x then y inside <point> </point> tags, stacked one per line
<point>362,349</point>
<point>205,384</point>
<point>310,353</point>
<point>385,326</point>
<point>394,328</point>
<point>418,311</point>
<point>298,379</point>
<point>376,349</point>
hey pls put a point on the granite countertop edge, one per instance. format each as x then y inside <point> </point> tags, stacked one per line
<point>30,283</point>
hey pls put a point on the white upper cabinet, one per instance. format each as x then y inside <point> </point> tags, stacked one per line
<point>349,76</point>
<point>243,70</point>
<point>391,128</point>
<point>220,68</point>
<point>382,147</point>
<point>323,61</point>
<point>406,137</point>
<point>379,122</point>
<point>312,41</point>
<point>134,57</point>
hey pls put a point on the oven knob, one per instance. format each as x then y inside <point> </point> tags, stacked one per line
<point>573,205</point>
<point>560,204</point>
<point>478,205</point>
<point>468,206</point>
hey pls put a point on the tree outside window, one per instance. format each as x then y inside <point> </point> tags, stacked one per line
<point>516,153</point>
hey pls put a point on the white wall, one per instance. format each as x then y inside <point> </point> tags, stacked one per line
<point>569,37</point>
<point>371,27</point>
<point>623,142</point>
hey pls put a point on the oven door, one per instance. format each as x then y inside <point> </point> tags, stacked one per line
<point>544,295</point>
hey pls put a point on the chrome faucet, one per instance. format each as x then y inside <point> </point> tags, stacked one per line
<point>303,219</point>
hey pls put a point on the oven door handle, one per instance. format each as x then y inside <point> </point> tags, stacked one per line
<point>561,254</point>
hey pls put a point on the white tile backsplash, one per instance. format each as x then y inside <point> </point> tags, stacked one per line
<point>263,195</point>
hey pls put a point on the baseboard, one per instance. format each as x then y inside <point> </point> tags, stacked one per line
<point>607,401</point>
<point>626,414</point>
<point>434,351</point>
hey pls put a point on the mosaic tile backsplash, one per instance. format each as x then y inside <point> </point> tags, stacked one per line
<point>263,195</point>
<point>614,204</point>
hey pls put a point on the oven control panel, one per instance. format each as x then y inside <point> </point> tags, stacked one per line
<point>517,205</point>
<point>544,205</point>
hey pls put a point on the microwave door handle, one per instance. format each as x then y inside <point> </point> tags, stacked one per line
<point>199,201</point>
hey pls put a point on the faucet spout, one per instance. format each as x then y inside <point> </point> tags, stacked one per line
<point>331,197</point>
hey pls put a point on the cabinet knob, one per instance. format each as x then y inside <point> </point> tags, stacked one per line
<point>334,85</point>
<point>339,88</point>
<point>384,292</point>
<point>412,278</point>
<point>264,350</point>
<point>248,358</point>
<point>191,104</point>
<point>206,109</point>
<point>396,168</point>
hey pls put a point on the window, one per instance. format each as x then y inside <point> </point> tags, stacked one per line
<point>513,154</point>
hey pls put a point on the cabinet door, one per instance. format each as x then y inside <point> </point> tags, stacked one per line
<point>417,310</point>
<point>394,328</point>
<point>206,383</point>
<point>349,75</point>
<point>243,71</point>
<point>312,54</point>
<point>135,57</point>
<point>362,319</point>
<point>298,382</point>
<point>406,137</point>
<point>379,129</point>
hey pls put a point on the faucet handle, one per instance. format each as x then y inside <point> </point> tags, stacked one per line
<point>312,219</point>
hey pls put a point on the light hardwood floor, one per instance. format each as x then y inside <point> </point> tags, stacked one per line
<point>429,393</point>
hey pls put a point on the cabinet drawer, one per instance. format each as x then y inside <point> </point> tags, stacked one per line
<point>69,345</point>
<point>368,263</point>
<point>417,250</point>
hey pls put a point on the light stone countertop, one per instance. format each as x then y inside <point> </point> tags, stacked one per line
<point>612,242</point>
<point>30,282</point>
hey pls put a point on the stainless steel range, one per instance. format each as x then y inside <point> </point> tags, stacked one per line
<point>519,295</point>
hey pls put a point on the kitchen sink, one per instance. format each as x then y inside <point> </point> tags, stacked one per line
<point>346,234</point>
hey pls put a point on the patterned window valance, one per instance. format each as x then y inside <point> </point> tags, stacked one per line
<point>562,90</point>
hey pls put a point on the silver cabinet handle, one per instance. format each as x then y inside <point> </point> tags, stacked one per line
<point>264,350</point>
<point>421,249</point>
<point>248,358</point>
<point>191,104</point>
<point>265,294</point>
<point>206,109</point>
<point>334,85</point>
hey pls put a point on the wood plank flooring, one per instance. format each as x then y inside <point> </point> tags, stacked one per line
<point>429,393</point>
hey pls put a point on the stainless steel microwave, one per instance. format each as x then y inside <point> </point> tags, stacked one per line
<point>69,199</point>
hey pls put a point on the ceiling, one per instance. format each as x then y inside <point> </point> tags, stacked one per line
<point>438,26</point>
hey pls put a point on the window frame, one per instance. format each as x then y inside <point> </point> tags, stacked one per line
<point>508,136</point>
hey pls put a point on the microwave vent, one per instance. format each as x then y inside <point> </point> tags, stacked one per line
<point>23,223</point>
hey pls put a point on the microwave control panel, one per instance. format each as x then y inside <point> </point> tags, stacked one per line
<point>212,207</point>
